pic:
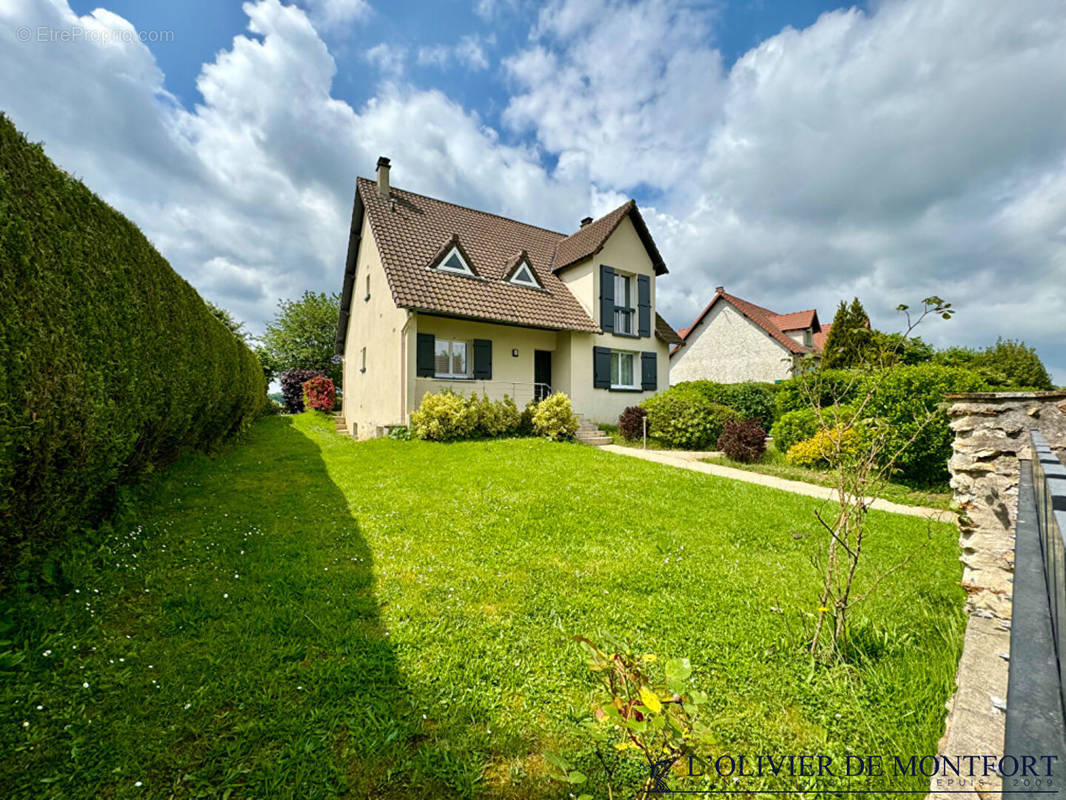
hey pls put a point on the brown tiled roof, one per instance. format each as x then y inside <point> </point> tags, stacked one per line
<point>412,230</point>
<point>590,239</point>
<point>665,332</point>
<point>821,337</point>
<point>774,324</point>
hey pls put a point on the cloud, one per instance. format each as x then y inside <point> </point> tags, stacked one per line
<point>468,52</point>
<point>331,15</point>
<point>915,149</point>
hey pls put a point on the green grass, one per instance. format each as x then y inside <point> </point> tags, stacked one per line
<point>773,463</point>
<point>306,616</point>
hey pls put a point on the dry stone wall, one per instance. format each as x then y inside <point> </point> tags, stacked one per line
<point>991,435</point>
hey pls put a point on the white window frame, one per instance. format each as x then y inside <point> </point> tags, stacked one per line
<point>467,350</point>
<point>618,354</point>
<point>442,266</point>
<point>530,282</point>
<point>624,312</point>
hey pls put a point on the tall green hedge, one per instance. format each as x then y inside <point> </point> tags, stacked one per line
<point>110,363</point>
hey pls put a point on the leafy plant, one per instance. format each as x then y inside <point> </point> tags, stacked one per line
<point>319,394</point>
<point>631,423</point>
<point>554,417</point>
<point>830,447</point>
<point>292,388</point>
<point>303,335</point>
<point>742,440</point>
<point>684,417</point>
<point>444,417</point>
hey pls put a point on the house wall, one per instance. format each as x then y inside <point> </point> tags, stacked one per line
<point>625,252</point>
<point>373,398</point>
<point>727,347</point>
<point>511,375</point>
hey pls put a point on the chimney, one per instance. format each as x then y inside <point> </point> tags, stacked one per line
<point>383,177</point>
<point>586,221</point>
<point>719,289</point>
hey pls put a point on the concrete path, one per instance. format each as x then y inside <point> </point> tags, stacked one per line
<point>686,460</point>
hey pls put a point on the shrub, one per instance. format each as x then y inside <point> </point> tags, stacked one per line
<point>525,420</point>
<point>445,416</point>
<point>499,418</point>
<point>110,363</point>
<point>742,441</point>
<point>318,394</point>
<point>292,388</point>
<point>682,416</point>
<point>555,418</point>
<point>903,399</point>
<point>753,401</point>
<point>827,448</point>
<point>400,433</point>
<point>510,416</point>
<point>795,426</point>
<point>631,423</point>
<point>828,385</point>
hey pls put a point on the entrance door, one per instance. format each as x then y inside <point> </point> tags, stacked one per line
<point>542,374</point>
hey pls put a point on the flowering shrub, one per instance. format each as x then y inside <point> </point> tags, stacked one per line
<point>292,388</point>
<point>742,441</point>
<point>827,448</point>
<point>555,418</point>
<point>444,417</point>
<point>631,423</point>
<point>319,394</point>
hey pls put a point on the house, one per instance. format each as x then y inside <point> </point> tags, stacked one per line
<point>438,296</point>
<point>733,340</point>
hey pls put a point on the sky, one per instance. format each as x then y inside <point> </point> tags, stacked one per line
<point>797,153</point>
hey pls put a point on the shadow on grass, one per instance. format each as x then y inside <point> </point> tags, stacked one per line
<point>221,639</point>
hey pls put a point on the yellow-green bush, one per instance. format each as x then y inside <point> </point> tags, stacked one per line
<point>554,417</point>
<point>110,363</point>
<point>445,416</point>
<point>827,448</point>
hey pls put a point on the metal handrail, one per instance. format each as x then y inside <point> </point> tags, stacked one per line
<point>519,391</point>
<point>1036,691</point>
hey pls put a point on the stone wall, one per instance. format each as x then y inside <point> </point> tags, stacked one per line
<point>991,435</point>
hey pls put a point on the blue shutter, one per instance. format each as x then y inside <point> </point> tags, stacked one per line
<point>649,371</point>
<point>607,298</point>
<point>424,358</point>
<point>601,366</point>
<point>483,359</point>
<point>644,305</point>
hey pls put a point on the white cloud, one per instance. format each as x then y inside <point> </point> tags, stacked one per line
<point>917,149</point>
<point>329,15</point>
<point>467,52</point>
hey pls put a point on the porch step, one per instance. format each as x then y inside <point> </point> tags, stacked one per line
<point>342,427</point>
<point>598,439</point>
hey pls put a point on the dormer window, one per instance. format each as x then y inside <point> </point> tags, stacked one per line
<point>454,262</point>
<point>523,276</point>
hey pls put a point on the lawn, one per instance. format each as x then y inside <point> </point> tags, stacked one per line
<point>306,616</point>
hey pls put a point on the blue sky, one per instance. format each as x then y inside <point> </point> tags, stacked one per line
<point>798,153</point>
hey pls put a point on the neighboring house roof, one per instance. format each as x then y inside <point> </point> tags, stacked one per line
<point>665,332</point>
<point>413,232</point>
<point>590,239</point>
<point>821,337</point>
<point>773,323</point>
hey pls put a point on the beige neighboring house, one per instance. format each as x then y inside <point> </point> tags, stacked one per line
<point>733,340</point>
<point>438,296</point>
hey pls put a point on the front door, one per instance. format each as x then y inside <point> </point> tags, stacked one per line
<point>542,374</point>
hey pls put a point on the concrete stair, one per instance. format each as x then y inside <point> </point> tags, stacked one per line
<point>587,433</point>
<point>342,427</point>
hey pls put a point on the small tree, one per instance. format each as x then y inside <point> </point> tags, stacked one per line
<point>303,333</point>
<point>862,455</point>
<point>1016,364</point>
<point>292,388</point>
<point>850,339</point>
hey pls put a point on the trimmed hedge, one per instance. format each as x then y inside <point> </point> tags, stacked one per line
<point>110,363</point>
<point>751,400</point>
<point>684,417</point>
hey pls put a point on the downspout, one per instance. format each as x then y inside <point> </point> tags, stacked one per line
<point>403,367</point>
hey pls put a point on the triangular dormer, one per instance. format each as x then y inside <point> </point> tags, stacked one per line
<point>521,272</point>
<point>451,258</point>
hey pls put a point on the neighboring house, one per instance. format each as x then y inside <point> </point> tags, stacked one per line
<point>733,340</point>
<point>437,296</point>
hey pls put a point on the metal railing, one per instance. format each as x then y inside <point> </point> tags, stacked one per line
<point>518,391</point>
<point>1036,693</point>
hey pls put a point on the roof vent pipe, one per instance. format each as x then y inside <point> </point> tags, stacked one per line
<point>383,178</point>
<point>586,221</point>
<point>719,289</point>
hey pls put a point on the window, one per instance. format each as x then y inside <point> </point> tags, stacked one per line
<point>523,276</point>
<point>450,359</point>
<point>362,360</point>
<point>623,370</point>
<point>454,262</point>
<point>367,288</point>
<point>808,338</point>
<point>623,306</point>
